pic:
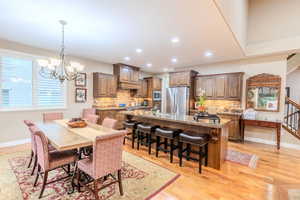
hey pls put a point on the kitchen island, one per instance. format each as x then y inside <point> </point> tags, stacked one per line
<point>217,147</point>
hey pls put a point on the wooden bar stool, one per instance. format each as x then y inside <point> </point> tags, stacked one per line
<point>200,141</point>
<point>166,134</point>
<point>130,125</point>
<point>145,134</point>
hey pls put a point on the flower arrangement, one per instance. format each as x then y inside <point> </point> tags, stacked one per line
<point>201,101</point>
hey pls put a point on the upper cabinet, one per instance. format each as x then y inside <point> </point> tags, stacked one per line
<point>142,92</point>
<point>128,76</point>
<point>156,84</point>
<point>183,78</point>
<point>220,86</point>
<point>104,85</point>
<point>153,84</point>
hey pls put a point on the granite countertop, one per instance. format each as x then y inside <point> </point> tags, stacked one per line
<point>224,113</point>
<point>123,108</point>
<point>185,119</point>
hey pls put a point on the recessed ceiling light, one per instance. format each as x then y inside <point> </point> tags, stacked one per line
<point>127,58</point>
<point>175,40</point>
<point>208,54</point>
<point>174,60</point>
<point>139,50</point>
<point>149,65</point>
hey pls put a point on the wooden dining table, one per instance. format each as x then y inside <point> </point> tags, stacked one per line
<point>63,137</point>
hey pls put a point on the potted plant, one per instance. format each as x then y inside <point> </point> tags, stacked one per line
<point>200,103</point>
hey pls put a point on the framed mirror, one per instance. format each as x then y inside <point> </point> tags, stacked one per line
<point>263,92</point>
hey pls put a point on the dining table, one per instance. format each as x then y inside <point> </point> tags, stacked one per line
<point>63,137</point>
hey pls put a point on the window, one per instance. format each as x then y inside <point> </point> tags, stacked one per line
<point>22,87</point>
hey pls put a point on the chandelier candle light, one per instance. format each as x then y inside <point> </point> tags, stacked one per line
<point>59,68</point>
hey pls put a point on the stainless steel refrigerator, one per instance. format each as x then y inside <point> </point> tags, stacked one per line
<point>177,100</point>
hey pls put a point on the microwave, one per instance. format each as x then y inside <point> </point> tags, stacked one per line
<point>156,95</point>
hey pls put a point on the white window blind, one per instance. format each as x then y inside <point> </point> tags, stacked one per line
<point>16,87</point>
<point>22,87</point>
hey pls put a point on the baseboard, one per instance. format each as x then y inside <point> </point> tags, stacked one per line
<point>282,144</point>
<point>14,143</point>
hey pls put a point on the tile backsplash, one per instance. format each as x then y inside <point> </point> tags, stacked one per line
<point>123,97</point>
<point>220,105</point>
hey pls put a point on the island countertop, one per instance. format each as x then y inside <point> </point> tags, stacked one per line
<point>184,119</point>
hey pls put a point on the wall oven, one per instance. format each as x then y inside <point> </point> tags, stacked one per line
<point>156,95</point>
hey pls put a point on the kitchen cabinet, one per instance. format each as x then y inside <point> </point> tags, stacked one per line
<point>181,79</point>
<point>128,76</point>
<point>234,128</point>
<point>104,85</point>
<point>154,84</point>
<point>142,92</point>
<point>220,86</point>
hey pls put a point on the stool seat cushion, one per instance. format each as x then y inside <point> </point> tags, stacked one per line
<point>144,127</point>
<point>197,139</point>
<point>129,124</point>
<point>168,133</point>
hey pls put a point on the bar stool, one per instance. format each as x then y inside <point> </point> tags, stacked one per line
<point>145,132</point>
<point>130,125</point>
<point>166,134</point>
<point>200,140</point>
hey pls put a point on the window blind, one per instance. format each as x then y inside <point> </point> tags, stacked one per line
<point>23,87</point>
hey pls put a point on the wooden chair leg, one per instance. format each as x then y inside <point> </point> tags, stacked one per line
<point>138,140</point>
<point>149,143</point>
<point>96,189</point>
<point>124,140</point>
<point>166,144</point>
<point>133,138</point>
<point>120,182</point>
<point>180,153</point>
<point>157,145</point>
<point>188,152</point>
<point>44,183</point>
<point>78,180</point>
<point>206,155</point>
<point>34,165</point>
<point>171,150</point>
<point>31,157</point>
<point>37,176</point>
<point>200,159</point>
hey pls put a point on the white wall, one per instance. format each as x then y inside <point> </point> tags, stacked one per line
<point>11,123</point>
<point>273,26</point>
<point>236,15</point>
<point>293,81</point>
<point>276,65</point>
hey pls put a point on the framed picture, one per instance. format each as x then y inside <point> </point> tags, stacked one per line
<point>80,95</point>
<point>80,80</point>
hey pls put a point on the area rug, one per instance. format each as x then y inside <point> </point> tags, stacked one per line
<point>142,179</point>
<point>246,159</point>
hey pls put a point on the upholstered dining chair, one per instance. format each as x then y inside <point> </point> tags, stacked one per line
<point>33,156</point>
<point>88,111</point>
<point>109,123</point>
<point>48,161</point>
<point>92,118</point>
<point>106,160</point>
<point>49,117</point>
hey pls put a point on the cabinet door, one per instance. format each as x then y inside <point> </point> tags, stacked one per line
<point>111,86</point>
<point>144,88</point>
<point>102,87</point>
<point>220,86</point>
<point>125,73</point>
<point>209,85</point>
<point>198,86</point>
<point>134,76</point>
<point>156,84</point>
<point>173,79</point>
<point>234,86</point>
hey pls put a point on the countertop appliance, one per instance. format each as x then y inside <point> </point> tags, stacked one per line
<point>177,100</point>
<point>145,103</point>
<point>156,95</point>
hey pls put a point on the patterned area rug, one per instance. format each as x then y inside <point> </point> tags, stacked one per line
<point>141,180</point>
<point>246,159</point>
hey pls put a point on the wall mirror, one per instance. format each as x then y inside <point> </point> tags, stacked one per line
<point>263,92</point>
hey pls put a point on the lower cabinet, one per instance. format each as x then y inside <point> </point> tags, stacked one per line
<point>234,126</point>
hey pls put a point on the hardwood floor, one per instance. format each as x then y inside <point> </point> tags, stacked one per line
<point>275,174</point>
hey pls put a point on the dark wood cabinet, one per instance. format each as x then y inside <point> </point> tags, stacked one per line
<point>142,92</point>
<point>154,84</point>
<point>182,78</point>
<point>128,76</point>
<point>104,85</point>
<point>234,132</point>
<point>220,86</point>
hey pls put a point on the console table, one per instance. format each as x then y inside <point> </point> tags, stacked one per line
<point>262,123</point>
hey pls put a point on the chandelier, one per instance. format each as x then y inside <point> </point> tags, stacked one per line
<point>60,69</point>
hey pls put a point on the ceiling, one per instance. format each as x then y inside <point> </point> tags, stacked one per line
<point>109,30</point>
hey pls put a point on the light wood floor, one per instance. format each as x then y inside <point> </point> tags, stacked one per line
<point>275,174</point>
